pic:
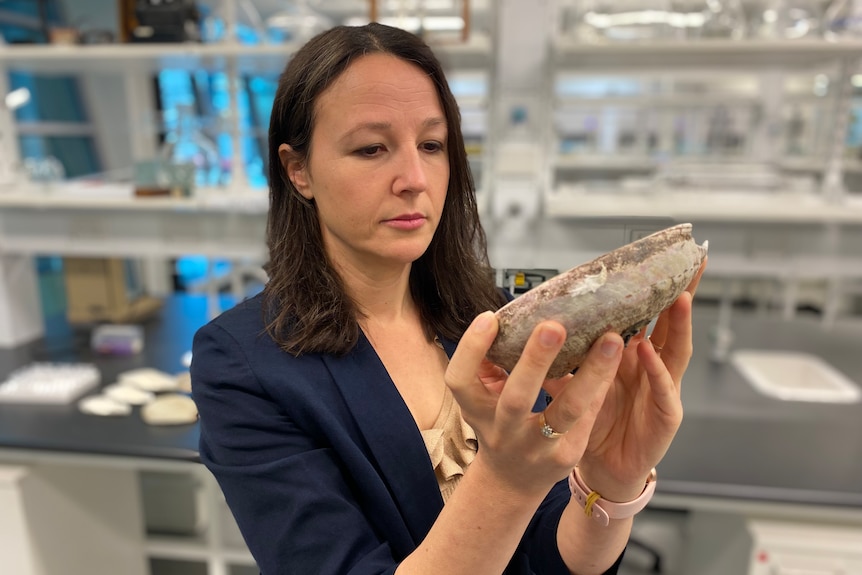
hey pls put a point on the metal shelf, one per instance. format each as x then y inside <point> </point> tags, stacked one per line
<point>193,548</point>
<point>705,206</point>
<point>261,59</point>
<point>640,163</point>
<point>787,54</point>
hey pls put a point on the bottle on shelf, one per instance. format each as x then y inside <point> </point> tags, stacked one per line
<point>296,23</point>
<point>622,20</point>
<point>724,19</point>
<point>189,158</point>
<point>784,19</point>
<point>843,20</point>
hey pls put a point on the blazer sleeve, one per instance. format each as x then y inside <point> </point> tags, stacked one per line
<point>286,490</point>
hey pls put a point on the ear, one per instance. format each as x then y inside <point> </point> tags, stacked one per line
<point>295,168</point>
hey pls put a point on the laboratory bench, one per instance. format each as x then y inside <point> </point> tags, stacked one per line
<point>737,442</point>
<point>738,451</point>
<point>78,486</point>
<point>63,428</point>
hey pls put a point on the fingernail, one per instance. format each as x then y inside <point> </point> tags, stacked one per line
<point>483,322</point>
<point>549,337</point>
<point>610,346</point>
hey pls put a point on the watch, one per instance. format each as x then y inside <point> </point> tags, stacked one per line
<point>601,509</point>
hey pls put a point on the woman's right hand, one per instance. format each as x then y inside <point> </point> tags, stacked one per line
<point>499,405</point>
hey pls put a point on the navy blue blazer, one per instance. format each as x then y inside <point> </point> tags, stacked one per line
<point>319,458</point>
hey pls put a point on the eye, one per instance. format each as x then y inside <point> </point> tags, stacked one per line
<point>432,146</point>
<point>369,151</point>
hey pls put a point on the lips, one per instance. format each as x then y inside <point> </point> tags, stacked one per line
<point>406,222</point>
<point>407,218</point>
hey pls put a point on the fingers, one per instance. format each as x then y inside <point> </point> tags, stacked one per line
<point>692,286</point>
<point>467,359</point>
<point>677,348</point>
<point>659,332</point>
<point>526,379</point>
<point>588,386</point>
<point>661,382</point>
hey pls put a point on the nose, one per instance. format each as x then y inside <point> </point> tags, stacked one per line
<point>410,176</point>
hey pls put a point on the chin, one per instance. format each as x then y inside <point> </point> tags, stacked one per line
<point>408,254</point>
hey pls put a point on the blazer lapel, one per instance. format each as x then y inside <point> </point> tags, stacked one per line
<point>391,433</point>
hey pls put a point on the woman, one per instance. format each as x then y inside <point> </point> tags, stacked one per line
<point>327,411</point>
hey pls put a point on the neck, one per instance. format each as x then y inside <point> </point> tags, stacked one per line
<point>383,297</point>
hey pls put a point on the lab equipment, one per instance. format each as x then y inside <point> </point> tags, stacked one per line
<point>794,376</point>
<point>149,379</point>
<point>724,19</point>
<point>170,409</point>
<point>53,383</point>
<point>166,21</point>
<point>187,146</point>
<point>296,23</point>
<point>117,339</point>
<point>784,19</point>
<point>104,405</point>
<point>624,20</point>
<point>128,394</point>
<point>843,20</point>
<point>8,140</point>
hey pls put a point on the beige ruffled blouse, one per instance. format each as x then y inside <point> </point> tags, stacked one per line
<point>451,444</point>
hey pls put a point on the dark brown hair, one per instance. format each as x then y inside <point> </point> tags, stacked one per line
<point>306,306</point>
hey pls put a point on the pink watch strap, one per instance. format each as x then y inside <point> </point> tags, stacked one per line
<point>603,510</point>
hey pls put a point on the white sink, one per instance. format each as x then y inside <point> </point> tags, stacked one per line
<point>794,376</point>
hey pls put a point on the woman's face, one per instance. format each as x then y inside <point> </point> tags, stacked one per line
<point>378,168</point>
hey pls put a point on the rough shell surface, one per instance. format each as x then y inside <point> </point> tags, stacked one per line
<point>620,291</point>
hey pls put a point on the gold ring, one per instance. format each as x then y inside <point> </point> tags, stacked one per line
<point>657,348</point>
<point>547,430</point>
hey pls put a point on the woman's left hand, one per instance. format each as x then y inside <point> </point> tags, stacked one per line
<point>642,410</point>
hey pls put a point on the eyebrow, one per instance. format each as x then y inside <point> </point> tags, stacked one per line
<point>384,126</point>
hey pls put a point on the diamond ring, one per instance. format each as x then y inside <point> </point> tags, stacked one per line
<point>547,430</point>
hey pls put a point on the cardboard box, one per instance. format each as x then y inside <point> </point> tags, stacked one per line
<point>105,290</point>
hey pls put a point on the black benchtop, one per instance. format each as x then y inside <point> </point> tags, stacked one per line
<point>733,443</point>
<point>65,429</point>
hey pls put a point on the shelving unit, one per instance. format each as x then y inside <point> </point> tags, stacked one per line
<point>671,61</point>
<point>136,62</point>
<point>700,54</point>
<point>215,541</point>
<point>712,206</point>
<point>259,58</point>
<point>622,114</point>
<point>691,63</point>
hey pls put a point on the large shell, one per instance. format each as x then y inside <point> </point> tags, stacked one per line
<point>620,291</point>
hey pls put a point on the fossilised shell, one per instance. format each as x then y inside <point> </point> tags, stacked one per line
<point>620,291</point>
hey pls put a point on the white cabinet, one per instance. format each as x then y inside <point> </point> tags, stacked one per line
<point>79,514</point>
<point>751,538</point>
<point>187,520</point>
<point>788,548</point>
<point>66,520</point>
